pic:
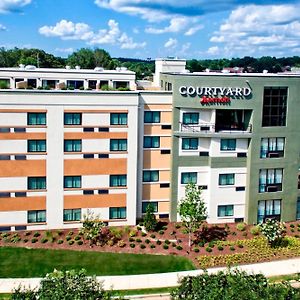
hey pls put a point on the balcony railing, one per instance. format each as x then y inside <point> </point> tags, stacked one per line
<point>211,128</point>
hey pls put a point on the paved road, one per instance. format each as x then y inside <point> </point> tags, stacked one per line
<point>274,268</point>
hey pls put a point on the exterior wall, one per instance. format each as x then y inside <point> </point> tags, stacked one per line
<point>248,141</point>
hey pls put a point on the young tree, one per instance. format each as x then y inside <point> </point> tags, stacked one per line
<point>192,209</point>
<point>150,221</point>
<point>273,231</point>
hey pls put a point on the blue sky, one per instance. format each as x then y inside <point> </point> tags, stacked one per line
<point>154,28</point>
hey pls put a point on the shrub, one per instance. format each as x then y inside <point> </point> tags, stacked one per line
<point>233,233</point>
<point>34,240</point>
<point>79,242</point>
<point>173,232</point>
<point>60,242</point>
<point>220,248</point>
<point>15,238</point>
<point>292,225</point>
<point>36,234</point>
<point>273,231</point>
<point>144,234</point>
<point>292,230</point>
<point>201,244</point>
<point>142,246</point>
<point>131,239</point>
<point>44,240</point>
<point>196,250</point>
<point>240,245</point>
<point>233,284</point>
<point>152,246</point>
<point>139,228</point>
<point>232,248</point>
<point>71,242</point>
<point>132,245</point>
<point>59,232</point>
<point>255,230</point>
<point>152,236</point>
<point>147,241</point>
<point>121,244</point>
<point>138,240</point>
<point>167,242</point>
<point>177,226</point>
<point>132,233</point>
<point>27,233</point>
<point>77,238</point>
<point>71,233</point>
<point>245,234</point>
<point>165,246</point>
<point>178,247</point>
<point>6,240</point>
<point>211,244</point>
<point>241,226</point>
<point>173,244</point>
<point>150,221</point>
<point>208,249</point>
<point>164,227</point>
<point>68,238</point>
<point>158,242</point>
<point>25,240</point>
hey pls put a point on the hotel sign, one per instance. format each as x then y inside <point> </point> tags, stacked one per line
<point>215,95</point>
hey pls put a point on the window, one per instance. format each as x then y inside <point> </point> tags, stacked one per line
<point>72,118</point>
<point>72,182</point>
<point>72,145</point>
<point>117,212</point>
<point>188,177</point>
<point>272,147</point>
<point>190,118</point>
<point>146,204</point>
<point>117,180</point>
<point>36,118</point>
<point>225,211</point>
<point>118,119</point>
<point>270,180</point>
<point>36,216</point>
<point>152,117</point>
<point>36,145</point>
<point>228,144</point>
<point>274,106</point>
<point>268,209</point>
<point>150,176</point>
<point>190,144</point>
<point>298,209</point>
<point>36,183</point>
<point>118,145</point>
<point>72,214</point>
<point>226,179</point>
<point>151,141</point>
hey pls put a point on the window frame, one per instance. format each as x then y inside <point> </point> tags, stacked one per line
<point>150,117</point>
<point>229,208</point>
<point>74,182</point>
<point>189,144</point>
<point>119,119</point>
<point>262,187</point>
<point>264,153</point>
<point>37,217</point>
<point>263,217</point>
<point>228,178</point>
<point>227,145</point>
<point>120,211</point>
<point>119,178</point>
<point>119,144</point>
<point>73,145</point>
<point>74,214</point>
<point>152,143</point>
<point>39,181</point>
<point>37,144</point>
<point>194,122</point>
<point>150,176</point>
<point>153,203</point>
<point>189,176</point>
<point>38,119</point>
<point>73,119</point>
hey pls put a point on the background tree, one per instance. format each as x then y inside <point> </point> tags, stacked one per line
<point>192,209</point>
<point>150,221</point>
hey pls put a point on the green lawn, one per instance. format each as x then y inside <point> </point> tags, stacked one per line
<point>22,262</point>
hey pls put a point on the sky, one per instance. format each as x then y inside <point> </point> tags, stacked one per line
<point>201,29</point>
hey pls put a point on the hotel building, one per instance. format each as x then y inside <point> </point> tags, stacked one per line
<point>68,145</point>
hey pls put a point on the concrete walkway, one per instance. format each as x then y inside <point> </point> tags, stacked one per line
<point>274,268</point>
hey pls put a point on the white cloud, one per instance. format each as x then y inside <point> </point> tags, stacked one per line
<point>194,29</point>
<point>267,30</point>
<point>176,24</point>
<point>67,30</point>
<point>2,27</point>
<point>64,50</point>
<point>12,5</point>
<point>171,43</point>
<point>213,50</point>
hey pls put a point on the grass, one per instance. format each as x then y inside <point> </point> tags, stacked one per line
<point>5,296</point>
<point>284,278</point>
<point>23,262</point>
<point>143,291</point>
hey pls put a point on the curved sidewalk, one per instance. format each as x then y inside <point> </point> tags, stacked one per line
<point>128,282</point>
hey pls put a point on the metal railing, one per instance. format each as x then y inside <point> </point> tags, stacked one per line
<point>211,128</point>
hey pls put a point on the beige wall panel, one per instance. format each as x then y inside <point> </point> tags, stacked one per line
<point>95,135</point>
<point>153,191</point>
<point>22,203</point>
<point>153,160</point>
<point>22,168</point>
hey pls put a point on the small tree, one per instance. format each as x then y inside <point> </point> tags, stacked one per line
<point>192,209</point>
<point>274,231</point>
<point>150,221</point>
<point>91,227</point>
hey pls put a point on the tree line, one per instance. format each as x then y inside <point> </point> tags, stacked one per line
<point>88,58</point>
